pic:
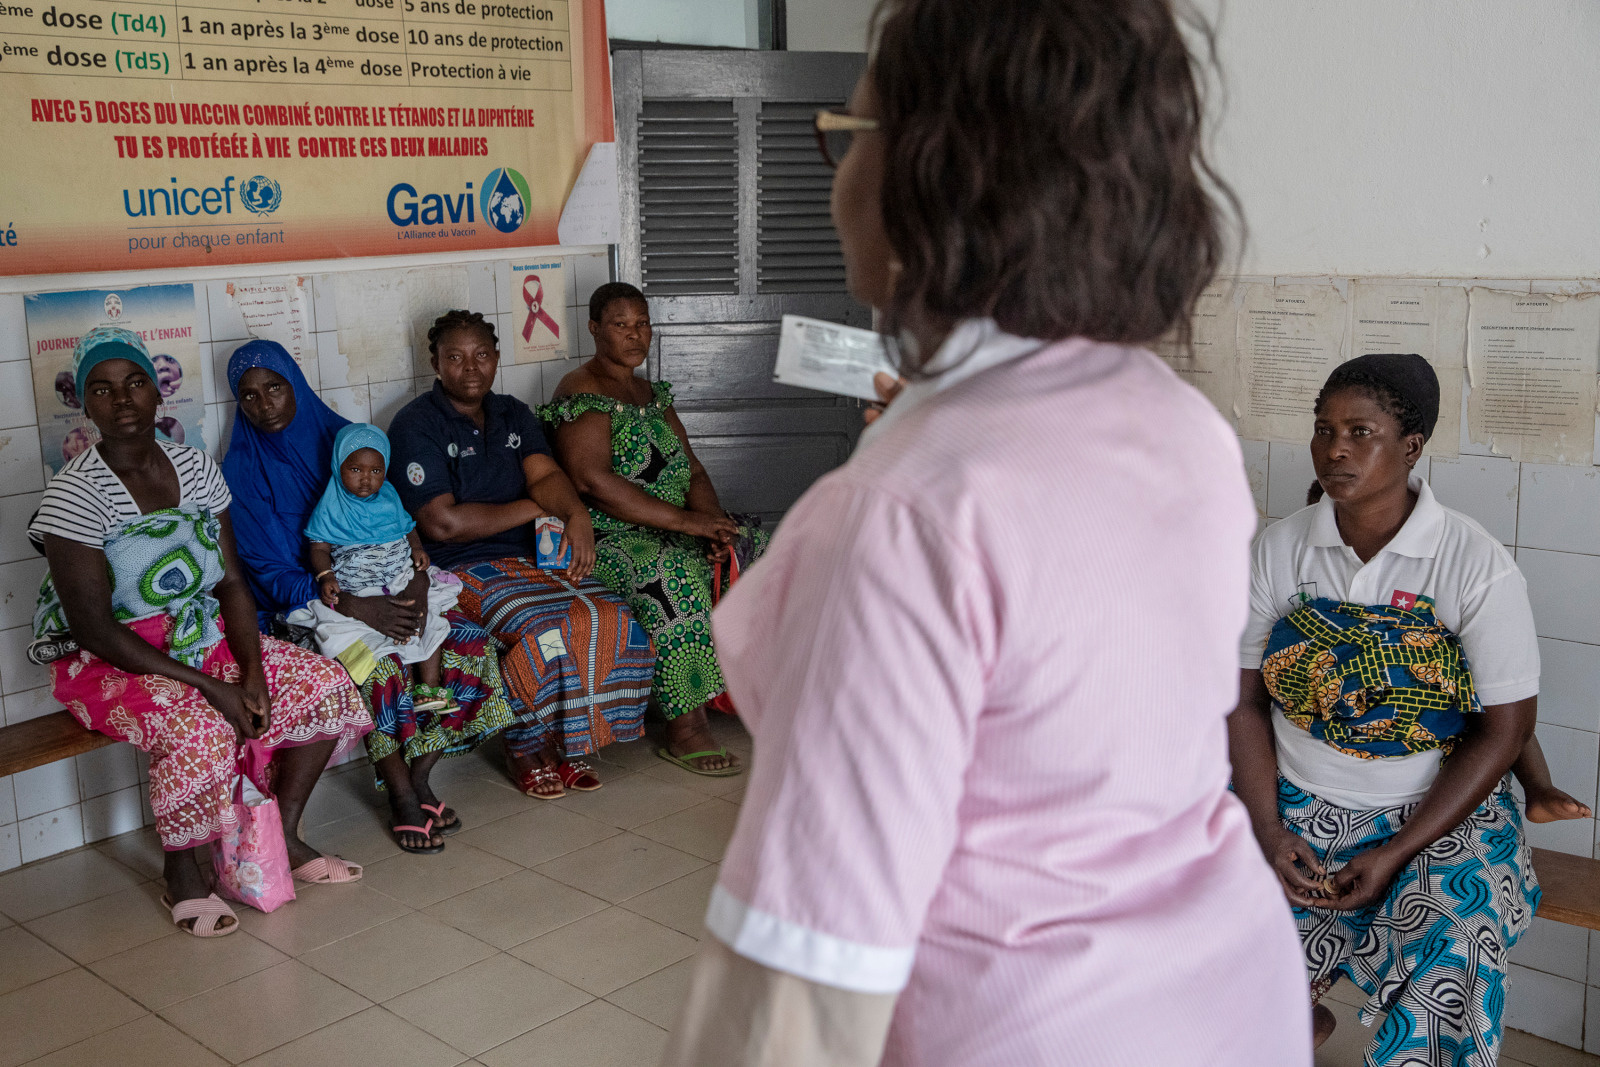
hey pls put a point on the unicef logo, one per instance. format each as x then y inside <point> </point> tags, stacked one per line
<point>260,194</point>
<point>503,199</point>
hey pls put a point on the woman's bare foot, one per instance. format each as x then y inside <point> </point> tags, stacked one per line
<point>1322,1025</point>
<point>405,807</point>
<point>188,878</point>
<point>421,767</point>
<point>1549,804</point>
<point>691,732</point>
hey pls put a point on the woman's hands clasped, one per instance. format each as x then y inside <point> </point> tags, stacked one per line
<point>1306,882</point>
<point>246,705</point>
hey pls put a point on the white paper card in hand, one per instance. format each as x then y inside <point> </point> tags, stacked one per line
<point>828,357</point>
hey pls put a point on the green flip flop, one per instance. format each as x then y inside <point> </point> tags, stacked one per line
<point>684,762</point>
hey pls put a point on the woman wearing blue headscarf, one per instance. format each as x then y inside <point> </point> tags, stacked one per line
<point>277,465</point>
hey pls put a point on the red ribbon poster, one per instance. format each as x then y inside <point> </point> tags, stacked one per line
<point>538,297</point>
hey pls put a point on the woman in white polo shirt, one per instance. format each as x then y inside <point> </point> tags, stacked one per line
<point>1390,674</point>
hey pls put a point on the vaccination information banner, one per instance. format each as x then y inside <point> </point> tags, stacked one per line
<point>143,134</point>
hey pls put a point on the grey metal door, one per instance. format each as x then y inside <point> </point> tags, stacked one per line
<point>725,227</point>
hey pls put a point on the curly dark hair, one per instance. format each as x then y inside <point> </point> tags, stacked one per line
<point>609,292</point>
<point>459,319</point>
<point>1045,166</point>
<point>1393,403</point>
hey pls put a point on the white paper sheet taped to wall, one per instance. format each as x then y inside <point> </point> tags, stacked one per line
<point>384,318</point>
<point>828,357</point>
<point>1531,363</point>
<point>592,214</point>
<point>1430,320</point>
<point>1211,363</point>
<point>274,309</point>
<point>1290,338</point>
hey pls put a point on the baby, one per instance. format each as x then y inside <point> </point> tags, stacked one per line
<point>364,544</point>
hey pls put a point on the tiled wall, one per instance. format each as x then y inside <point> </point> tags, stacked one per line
<point>100,794</point>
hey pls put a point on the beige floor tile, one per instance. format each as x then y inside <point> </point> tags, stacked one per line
<point>139,851</point>
<point>621,867</point>
<point>418,881</point>
<point>633,755</point>
<point>673,774</point>
<point>532,837</point>
<point>515,909</point>
<point>1350,1039</point>
<point>320,915</point>
<point>606,951</point>
<point>1526,1048</point>
<point>62,882</point>
<point>486,762</point>
<point>150,1040</point>
<point>680,904</point>
<point>24,959</point>
<point>1347,992</point>
<point>631,801</point>
<point>657,997</point>
<point>702,830</point>
<point>360,839</point>
<point>171,969</point>
<point>396,956</point>
<point>100,928</point>
<point>596,1035</point>
<point>480,801</point>
<point>342,794</point>
<point>265,1010</point>
<point>373,1036</point>
<point>487,1004</point>
<point>58,1012</point>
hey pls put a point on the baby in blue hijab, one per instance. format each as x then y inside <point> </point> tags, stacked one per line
<point>362,543</point>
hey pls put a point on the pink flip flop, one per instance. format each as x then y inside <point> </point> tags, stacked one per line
<point>206,913</point>
<point>327,870</point>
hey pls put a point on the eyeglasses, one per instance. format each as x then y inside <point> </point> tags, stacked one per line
<point>834,130</point>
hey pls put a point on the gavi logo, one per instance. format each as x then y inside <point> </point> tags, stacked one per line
<point>407,207</point>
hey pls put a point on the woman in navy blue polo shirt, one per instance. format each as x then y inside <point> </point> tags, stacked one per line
<point>473,468</point>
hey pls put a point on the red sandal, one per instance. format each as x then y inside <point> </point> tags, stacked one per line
<point>578,775</point>
<point>530,781</point>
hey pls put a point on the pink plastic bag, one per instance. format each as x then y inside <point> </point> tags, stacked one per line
<point>252,858</point>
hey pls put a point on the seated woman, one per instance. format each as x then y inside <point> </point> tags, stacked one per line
<point>659,526</point>
<point>144,575</point>
<point>278,462</point>
<point>1390,680</point>
<point>473,468</point>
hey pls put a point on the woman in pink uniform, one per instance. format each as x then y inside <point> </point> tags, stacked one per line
<point>988,663</point>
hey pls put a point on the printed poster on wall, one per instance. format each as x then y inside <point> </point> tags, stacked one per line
<point>250,131</point>
<point>539,312</point>
<point>163,315</point>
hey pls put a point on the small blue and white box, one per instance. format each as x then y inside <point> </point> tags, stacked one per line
<point>547,531</point>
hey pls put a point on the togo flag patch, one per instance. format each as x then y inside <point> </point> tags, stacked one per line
<point>414,473</point>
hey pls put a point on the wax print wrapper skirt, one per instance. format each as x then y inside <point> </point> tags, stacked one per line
<point>470,669</point>
<point>577,666</point>
<point>193,749</point>
<point>1432,953</point>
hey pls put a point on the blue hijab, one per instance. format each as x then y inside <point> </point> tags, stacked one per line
<point>276,479</point>
<point>342,518</point>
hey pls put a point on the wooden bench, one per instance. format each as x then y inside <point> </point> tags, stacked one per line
<point>1571,887</point>
<point>46,739</point>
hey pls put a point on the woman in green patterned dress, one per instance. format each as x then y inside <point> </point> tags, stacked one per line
<point>658,525</point>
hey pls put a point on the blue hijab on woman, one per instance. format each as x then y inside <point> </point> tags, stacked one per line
<point>277,479</point>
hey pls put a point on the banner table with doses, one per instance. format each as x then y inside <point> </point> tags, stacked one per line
<point>142,134</point>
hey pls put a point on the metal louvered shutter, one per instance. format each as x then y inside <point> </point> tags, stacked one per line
<point>689,197</point>
<point>797,250</point>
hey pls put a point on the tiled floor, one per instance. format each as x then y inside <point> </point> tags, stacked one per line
<point>547,932</point>
<point>554,933</point>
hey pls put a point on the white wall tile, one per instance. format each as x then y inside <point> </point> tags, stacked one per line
<point>334,368</point>
<point>8,802</point>
<point>141,760</point>
<point>1481,488</point>
<point>1594,958</point>
<point>13,328</point>
<point>19,590</point>
<point>10,854</point>
<point>521,381</point>
<point>552,371</point>
<point>208,374</point>
<point>354,404</point>
<point>112,814</point>
<point>46,788</point>
<point>1289,475</point>
<point>589,273</point>
<point>1565,589</point>
<point>221,352</point>
<point>571,272</point>
<point>505,325</point>
<point>1575,837</point>
<point>106,770</point>
<point>423,383</point>
<point>16,395</point>
<point>21,468</point>
<point>1560,508</point>
<point>482,292</point>
<point>15,513</point>
<point>1569,684</point>
<point>1591,1026</point>
<point>54,831</point>
<point>1255,469</point>
<point>1545,1006</point>
<point>1554,948</point>
<point>1573,756</point>
<point>202,315</point>
<point>585,347</point>
<point>219,427</point>
<point>30,704</point>
<point>322,292</point>
<point>385,399</point>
